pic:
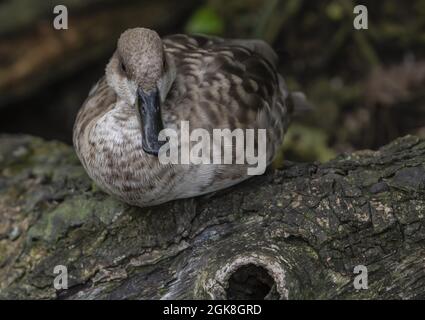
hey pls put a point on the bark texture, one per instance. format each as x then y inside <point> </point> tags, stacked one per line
<point>295,233</point>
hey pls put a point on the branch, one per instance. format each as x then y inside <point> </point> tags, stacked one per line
<point>295,233</point>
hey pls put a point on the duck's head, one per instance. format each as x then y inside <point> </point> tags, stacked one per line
<point>137,73</point>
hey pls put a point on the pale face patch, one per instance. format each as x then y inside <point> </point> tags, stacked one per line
<point>125,88</point>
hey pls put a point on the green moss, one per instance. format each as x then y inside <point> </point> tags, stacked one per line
<point>72,214</point>
<point>305,144</point>
<point>55,223</point>
<point>3,251</point>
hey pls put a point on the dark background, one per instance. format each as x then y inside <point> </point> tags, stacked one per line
<point>367,86</point>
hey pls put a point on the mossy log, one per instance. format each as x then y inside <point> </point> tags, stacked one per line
<point>295,233</point>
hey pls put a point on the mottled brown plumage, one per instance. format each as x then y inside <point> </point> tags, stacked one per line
<point>211,82</point>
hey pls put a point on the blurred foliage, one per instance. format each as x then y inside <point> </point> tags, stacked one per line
<point>205,20</point>
<point>366,85</point>
<point>304,143</point>
<point>336,66</point>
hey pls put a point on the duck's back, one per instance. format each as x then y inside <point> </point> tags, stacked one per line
<point>230,84</point>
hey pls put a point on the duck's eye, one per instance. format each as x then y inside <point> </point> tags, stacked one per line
<point>123,68</point>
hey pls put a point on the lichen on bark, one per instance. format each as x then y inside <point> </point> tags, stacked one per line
<point>296,233</point>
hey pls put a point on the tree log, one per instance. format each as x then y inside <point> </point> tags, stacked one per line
<point>294,233</point>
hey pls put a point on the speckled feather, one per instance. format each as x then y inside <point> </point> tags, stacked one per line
<point>216,84</point>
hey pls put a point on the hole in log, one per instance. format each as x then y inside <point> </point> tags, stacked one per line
<point>250,282</point>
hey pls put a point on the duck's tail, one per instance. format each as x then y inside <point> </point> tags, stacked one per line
<point>299,103</point>
<point>295,101</point>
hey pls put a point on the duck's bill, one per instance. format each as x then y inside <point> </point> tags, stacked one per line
<point>148,106</point>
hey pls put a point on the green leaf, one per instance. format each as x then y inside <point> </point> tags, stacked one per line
<point>205,20</point>
<point>334,11</point>
<point>305,144</point>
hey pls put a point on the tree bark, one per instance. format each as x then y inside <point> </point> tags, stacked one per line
<point>295,233</point>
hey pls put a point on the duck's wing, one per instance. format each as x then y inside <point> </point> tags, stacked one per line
<point>101,99</point>
<point>257,46</point>
<point>241,71</point>
<point>228,84</point>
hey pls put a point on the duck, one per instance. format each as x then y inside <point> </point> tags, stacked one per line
<point>152,84</point>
